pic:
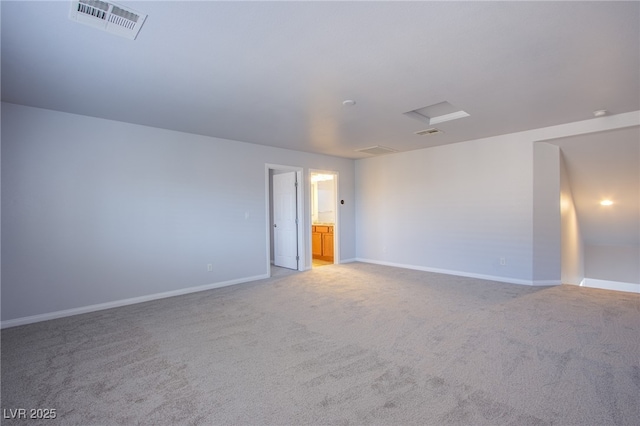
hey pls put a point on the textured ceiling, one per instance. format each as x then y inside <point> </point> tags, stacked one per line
<point>276,73</point>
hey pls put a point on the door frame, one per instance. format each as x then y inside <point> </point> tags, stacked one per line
<point>336,225</point>
<point>302,254</point>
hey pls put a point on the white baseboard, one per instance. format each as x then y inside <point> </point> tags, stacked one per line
<point>463,274</point>
<point>610,285</point>
<point>117,303</point>
<point>353,259</point>
<point>543,283</point>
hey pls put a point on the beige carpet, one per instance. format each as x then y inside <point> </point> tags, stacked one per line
<point>339,345</point>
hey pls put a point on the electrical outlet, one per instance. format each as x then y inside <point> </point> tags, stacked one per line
<point>503,261</point>
<point>210,267</point>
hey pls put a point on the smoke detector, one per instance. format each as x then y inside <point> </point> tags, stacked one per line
<point>107,16</point>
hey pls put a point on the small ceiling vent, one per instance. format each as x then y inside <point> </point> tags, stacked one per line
<point>431,131</point>
<point>108,17</point>
<point>376,150</point>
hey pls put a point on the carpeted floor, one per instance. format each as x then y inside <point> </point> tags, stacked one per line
<point>348,344</point>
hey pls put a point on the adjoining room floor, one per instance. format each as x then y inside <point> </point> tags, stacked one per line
<point>320,262</point>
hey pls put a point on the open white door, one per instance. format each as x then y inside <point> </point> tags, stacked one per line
<point>285,233</point>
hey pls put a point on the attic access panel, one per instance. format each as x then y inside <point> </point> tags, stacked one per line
<point>437,113</point>
<point>376,150</point>
<point>107,16</point>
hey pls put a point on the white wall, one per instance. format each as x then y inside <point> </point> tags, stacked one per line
<point>547,251</point>
<point>613,263</point>
<point>571,237</point>
<point>98,211</point>
<point>457,208</point>
<point>460,208</point>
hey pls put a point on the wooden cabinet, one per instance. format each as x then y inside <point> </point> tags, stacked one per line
<point>327,245</point>
<point>322,242</point>
<point>316,244</point>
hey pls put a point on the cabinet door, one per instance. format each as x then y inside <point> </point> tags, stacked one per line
<point>327,245</point>
<point>316,244</point>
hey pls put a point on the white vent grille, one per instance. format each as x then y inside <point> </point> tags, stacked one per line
<point>431,131</point>
<point>376,150</point>
<point>107,16</point>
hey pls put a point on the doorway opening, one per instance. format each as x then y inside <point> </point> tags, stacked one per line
<point>324,217</point>
<point>284,197</point>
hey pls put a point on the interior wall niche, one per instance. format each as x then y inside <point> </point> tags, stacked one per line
<point>601,166</point>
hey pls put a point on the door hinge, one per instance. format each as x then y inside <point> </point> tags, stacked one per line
<point>297,257</point>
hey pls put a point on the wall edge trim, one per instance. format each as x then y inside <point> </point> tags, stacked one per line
<point>610,285</point>
<point>124,302</point>
<point>452,272</point>
<point>542,283</point>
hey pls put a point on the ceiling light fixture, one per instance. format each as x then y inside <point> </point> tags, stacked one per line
<point>600,113</point>
<point>606,202</point>
<point>349,102</point>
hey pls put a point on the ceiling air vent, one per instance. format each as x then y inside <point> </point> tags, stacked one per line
<point>108,17</point>
<point>376,150</point>
<point>431,131</point>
